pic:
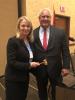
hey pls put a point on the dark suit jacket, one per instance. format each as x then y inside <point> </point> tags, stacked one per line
<point>57,51</point>
<point>17,68</point>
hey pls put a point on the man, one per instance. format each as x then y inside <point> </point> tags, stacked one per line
<point>51,44</point>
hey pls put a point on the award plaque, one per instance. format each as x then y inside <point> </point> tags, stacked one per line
<point>44,62</point>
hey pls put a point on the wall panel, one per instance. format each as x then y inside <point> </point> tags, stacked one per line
<point>8,18</point>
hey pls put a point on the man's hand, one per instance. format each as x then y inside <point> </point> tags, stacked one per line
<point>64,72</point>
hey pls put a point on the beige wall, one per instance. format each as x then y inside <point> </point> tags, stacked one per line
<point>69,6</point>
<point>8,18</point>
<point>23,7</point>
<point>9,14</point>
<point>34,6</point>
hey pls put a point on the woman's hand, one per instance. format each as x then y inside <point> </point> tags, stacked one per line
<point>34,64</point>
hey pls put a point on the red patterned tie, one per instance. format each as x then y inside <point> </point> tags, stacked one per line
<point>45,40</point>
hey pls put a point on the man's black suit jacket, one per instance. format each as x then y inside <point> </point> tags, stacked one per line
<point>17,68</point>
<point>57,53</point>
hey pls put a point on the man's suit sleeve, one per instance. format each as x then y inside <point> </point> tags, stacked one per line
<point>65,51</point>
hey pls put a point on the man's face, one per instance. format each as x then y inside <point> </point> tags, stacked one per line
<point>44,19</point>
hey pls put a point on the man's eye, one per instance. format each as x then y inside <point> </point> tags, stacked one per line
<point>45,16</point>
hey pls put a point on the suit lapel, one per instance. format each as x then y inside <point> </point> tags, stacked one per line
<point>51,38</point>
<point>38,40</point>
<point>23,44</point>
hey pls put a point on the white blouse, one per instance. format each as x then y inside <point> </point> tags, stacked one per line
<point>30,50</point>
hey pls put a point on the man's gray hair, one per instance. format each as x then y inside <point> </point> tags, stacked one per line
<point>50,12</point>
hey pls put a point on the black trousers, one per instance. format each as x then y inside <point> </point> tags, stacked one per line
<point>42,82</point>
<point>42,78</point>
<point>16,90</point>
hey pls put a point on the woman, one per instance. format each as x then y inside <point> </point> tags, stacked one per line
<point>19,61</point>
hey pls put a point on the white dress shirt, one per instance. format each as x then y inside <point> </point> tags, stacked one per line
<point>41,35</point>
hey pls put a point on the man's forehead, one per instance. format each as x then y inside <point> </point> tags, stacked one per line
<point>45,12</point>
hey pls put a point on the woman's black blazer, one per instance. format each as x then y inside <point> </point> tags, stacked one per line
<point>17,67</point>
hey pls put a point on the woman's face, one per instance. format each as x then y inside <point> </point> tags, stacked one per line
<point>24,28</point>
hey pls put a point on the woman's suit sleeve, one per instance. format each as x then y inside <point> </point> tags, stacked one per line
<point>11,57</point>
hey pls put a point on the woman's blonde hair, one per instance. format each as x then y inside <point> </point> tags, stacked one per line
<point>30,36</point>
